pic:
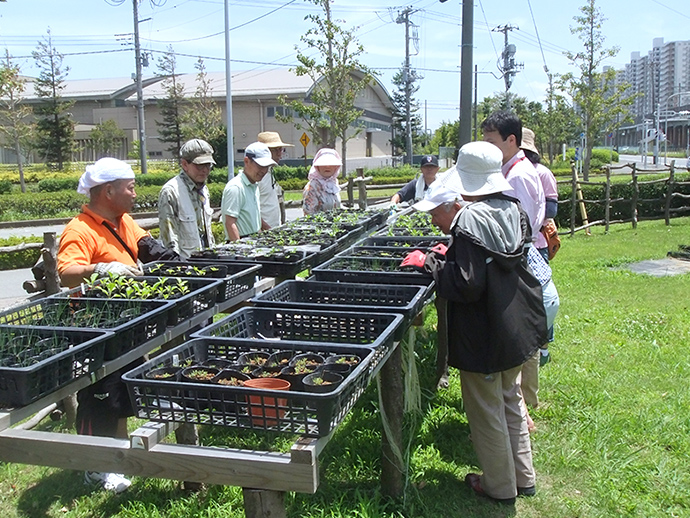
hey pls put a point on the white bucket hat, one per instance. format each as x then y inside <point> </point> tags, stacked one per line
<point>479,170</point>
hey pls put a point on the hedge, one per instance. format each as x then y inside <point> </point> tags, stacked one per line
<point>22,258</point>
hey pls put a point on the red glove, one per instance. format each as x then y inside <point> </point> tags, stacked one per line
<point>414,260</point>
<point>440,249</point>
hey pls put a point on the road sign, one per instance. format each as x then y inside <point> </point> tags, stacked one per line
<point>304,139</point>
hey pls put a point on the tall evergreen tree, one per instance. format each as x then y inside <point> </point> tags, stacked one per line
<point>171,106</point>
<point>14,116</point>
<point>107,138</point>
<point>399,140</point>
<point>54,127</point>
<point>203,119</point>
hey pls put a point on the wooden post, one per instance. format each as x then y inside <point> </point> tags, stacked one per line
<point>635,196</point>
<point>607,199</point>
<point>263,504</point>
<point>362,188</point>
<point>391,394</point>
<point>350,192</point>
<point>573,198</point>
<point>49,253</point>
<point>669,192</point>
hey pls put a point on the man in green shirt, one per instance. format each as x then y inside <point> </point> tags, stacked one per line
<point>240,207</point>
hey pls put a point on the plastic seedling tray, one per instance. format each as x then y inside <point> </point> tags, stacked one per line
<point>344,296</point>
<point>371,270</point>
<point>287,265</point>
<point>410,242</point>
<point>35,361</point>
<point>306,326</point>
<point>294,412</point>
<point>238,279</point>
<point>201,293</point>
<point>134,322</point>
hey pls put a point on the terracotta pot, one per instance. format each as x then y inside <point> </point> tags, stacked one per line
<point>265,409</point>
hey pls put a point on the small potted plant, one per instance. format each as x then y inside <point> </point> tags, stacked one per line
<point>322,381</point>
<point>164,374</point>
<point>312,360</point>
<point>198,374</point>
<point>254,358</point>
<point>280,358</point>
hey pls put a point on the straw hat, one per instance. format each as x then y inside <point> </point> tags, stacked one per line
<point>272,139</point>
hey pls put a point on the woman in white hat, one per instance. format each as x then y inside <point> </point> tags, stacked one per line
<point>322,192</point>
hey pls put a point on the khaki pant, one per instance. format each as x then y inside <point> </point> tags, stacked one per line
<point>496,414</point>
<point>530,381</point>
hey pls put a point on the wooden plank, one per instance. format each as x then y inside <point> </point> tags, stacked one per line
<point>306,450</point>
<point>245,468</point>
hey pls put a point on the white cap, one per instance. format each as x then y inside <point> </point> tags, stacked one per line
<point>479,170</point>
<point>103,171</point>
<point>438,194</point>
<point>260,153</point>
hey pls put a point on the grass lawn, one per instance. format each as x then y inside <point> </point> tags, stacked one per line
<point>613,435</point>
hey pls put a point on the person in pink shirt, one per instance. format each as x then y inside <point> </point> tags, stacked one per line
<point>548,183</point>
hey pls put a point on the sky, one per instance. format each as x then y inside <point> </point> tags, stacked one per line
<point>96,38</point>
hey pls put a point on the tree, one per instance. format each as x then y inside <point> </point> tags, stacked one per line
<point>559,123</point>
<point>14,125</point>
<point>107,138</point>
<point>399,140</point>
<point>329,113</point>
<point>54,128</point>
<point>203,119</point>
<point>600,103</point>
<point>170,107</point>
<point>447,135</point>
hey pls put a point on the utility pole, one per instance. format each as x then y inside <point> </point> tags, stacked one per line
<point>228,96</point>
<point>474,111</point>
<point>140,91</point>
<point>409,78</point>
<point>508,68</point>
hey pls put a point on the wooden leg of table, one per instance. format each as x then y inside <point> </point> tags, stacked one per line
<point>259,503</point>
<point>392,463</point>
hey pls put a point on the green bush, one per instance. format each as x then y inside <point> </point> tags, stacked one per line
<point>600,158</point>
<point>22,258</point>
<point>58,184</point>
<point>5,187</point>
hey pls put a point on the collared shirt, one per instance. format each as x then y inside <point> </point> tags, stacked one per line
<point>184,213</point>
<point>527,188</point>
<point>241,201</point>
<point>269,190</point>
<point>86,240</point>
<point>548,183</point>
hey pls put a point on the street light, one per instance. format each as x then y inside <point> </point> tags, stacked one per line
<point>666,123</point>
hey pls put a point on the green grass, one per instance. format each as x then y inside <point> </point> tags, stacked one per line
<point>613,436</point>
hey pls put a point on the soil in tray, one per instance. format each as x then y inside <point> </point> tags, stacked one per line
<point>182,271</point>
<point>415,224</point>
<point>387,254</point>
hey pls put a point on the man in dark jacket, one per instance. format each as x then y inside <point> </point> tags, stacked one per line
<point>496,318</point>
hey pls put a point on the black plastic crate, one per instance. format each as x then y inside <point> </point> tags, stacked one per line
<point>294,412</point>
<point>384,252</point>
<point>306,326</point>
<point>238,279</point>
<point>410,242</point>
<point>27,375</point>
<point>290,266</point>
<point>346,296</point>
<point>134,322</point>
<point>201,296</point>
<point>372,270</point>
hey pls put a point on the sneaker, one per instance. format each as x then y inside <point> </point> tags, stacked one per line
<point>114,482</point>
<point>527,491</point>
<point>544,357</point>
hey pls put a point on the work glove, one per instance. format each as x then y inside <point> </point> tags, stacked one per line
<point>414,260</point>
<point>440,249</point>
<point>116,268</point>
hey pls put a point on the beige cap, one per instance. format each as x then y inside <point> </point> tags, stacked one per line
<point>528,140</point>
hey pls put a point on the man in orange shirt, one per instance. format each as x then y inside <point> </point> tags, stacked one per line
<point>104,240</point>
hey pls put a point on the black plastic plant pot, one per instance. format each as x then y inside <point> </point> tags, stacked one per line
<point>230,378</point>
<point>217,363</point>
<point>198,374</point>
<point>280,358</point>
<point>308,360</point>
<point>267,372</point>
<point>322,382</point>
<point>295,378</point>
<point>345,359</point>
<point>164,374</point>
<point>340,368</point>
<point>255,358</point>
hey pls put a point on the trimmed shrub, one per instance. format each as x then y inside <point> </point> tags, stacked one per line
<point>5,186</point>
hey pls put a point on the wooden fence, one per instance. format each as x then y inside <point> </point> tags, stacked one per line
<point>671,193</point>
